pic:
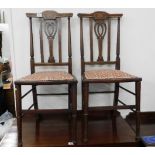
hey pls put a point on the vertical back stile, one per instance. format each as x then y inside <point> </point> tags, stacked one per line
<point>81,46</point>
<point>59,40</point>
<point>91,38</point>
<point>31,48</point>
<point>118,45</point>
<point>109,39</point>
<point>41,41</point>
<point>69,47</point>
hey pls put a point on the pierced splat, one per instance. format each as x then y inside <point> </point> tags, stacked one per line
<point>50,27</point>
<point>100,29</point>
<point>50,30</point>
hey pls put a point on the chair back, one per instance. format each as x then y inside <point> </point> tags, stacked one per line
<point>49,25</point>
<point>100,30</point>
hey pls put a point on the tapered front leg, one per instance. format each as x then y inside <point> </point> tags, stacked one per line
<point>85,129</point>
<point>138,96</point>
<point>74,113</point>
<point>85,94</point>
<point>116,94</point>
<point>19,114</point>
<point>82,96</point>
<point>69,98</point>
<point>74,99</point>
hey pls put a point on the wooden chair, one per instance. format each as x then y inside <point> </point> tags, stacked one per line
<point>100,26</point>
<point>50,26</point>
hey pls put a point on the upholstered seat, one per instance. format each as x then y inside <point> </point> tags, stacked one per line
<point>108,74</point>
<point>47,76</point>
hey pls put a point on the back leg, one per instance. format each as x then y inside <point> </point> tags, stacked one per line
<point>35,101</point>
<point>116,95</point>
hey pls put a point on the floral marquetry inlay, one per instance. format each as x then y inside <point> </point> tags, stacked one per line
<point>100,15</point>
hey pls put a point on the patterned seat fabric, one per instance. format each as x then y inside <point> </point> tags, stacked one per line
<point>48,76</point>
<point>107,75</point>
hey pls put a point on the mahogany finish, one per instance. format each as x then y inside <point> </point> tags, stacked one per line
<point>50,26</point>
<point>100,25</point>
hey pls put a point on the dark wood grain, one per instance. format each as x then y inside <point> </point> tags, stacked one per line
<point>91,39</point>
<point>31,48</point>
<point>103,15</point>
<point>19,114</point>
<point>69,47</point>
<point>59,40</point>
<point>138,97</point>
<point>82,47</point>
<point>41,41</point>
<point>118,46</point>
<point>109,40</point>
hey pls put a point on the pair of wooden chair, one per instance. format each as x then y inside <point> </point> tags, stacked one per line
<point>50,28</point>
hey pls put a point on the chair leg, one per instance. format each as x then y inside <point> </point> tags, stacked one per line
<point>138,92</point>
<point>82,90</point>
<point>85,99</point>
<point>74,112</point>
<point>85,94</point>
<point>74,99</point>
<point>69,98</point>
<point>35,101</point>
<point>19,114</point>
<point>116,95</point>
<point>37,130</point>
<point>85,129</point>
<point>114,126</point>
